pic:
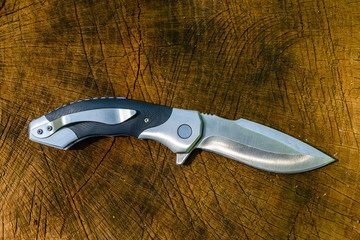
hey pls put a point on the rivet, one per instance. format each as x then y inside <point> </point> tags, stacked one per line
<point>49,128</point>
<point>40,131</point>
<point>146,120</point>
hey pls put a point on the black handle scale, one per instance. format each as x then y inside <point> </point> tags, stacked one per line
<point>148,115</point>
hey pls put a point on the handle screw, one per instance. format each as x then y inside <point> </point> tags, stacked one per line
<point>40,131</point>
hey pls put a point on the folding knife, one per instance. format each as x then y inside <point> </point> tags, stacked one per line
<point>180,130</point>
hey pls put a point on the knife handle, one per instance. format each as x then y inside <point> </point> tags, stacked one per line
<point>97,117</point>
<point>176,128</point>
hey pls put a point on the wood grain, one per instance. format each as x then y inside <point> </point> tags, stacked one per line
<point>290,65</point>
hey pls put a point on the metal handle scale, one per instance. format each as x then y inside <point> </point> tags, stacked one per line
<point>176,128</point>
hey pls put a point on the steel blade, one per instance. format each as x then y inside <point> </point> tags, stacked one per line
<point>259,146</point>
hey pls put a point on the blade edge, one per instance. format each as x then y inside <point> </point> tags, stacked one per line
<point>263,160</point>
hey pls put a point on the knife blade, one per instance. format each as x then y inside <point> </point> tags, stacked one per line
<point>180,130</point>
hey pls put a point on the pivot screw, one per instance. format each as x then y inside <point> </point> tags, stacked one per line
<point>49,128</point>
<point>184,131</point>
<point>40,131</point>
<point>146,120</point>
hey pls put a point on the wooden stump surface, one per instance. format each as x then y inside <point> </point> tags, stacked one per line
<point>290,65</point>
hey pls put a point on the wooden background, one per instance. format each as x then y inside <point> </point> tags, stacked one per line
<point>290,65</point>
